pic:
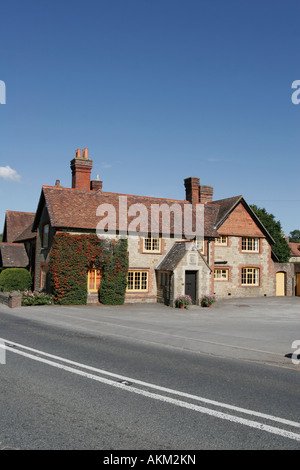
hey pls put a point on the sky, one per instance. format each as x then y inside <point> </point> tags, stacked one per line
<point>158,91</point>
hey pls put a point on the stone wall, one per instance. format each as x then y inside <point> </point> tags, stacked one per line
<point>232,258</point>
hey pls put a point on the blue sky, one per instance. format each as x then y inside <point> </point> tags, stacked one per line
<point>158,91</point>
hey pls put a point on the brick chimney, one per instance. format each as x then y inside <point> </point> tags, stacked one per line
<point>81,167</point>
<point>96,184</point>
<point>206,193</point>
<point>192,189</point>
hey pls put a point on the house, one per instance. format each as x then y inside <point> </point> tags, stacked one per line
<point>295,251</point>
<point>230,254</point>
<point>14,251</point>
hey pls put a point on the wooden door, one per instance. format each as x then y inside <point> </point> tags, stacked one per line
<point>280,284</point>
<point>298,284</point>
<point>190,284</point>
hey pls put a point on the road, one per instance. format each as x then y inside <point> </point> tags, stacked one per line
<point>81,383</point>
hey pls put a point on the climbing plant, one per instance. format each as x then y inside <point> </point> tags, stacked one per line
<point>70,258</point>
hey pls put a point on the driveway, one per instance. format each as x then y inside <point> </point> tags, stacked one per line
<point>257,329</point>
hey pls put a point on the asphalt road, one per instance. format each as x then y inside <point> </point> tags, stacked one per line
<point>151,377</point>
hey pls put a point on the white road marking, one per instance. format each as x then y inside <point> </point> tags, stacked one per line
<point>11,346</point>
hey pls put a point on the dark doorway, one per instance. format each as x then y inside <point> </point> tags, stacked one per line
<point>190,284</point>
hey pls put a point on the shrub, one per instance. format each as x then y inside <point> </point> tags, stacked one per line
<point>15,279</point>
<point>36,298</point>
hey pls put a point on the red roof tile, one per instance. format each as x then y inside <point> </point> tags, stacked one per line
<point>295,248</point>
<point>76,209</point>
<point>15,223</point>
<point>13,255</point>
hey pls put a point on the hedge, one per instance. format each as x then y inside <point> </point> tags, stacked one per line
<point>15,279</point>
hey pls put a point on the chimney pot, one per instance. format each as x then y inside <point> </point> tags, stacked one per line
<point>81,171</point>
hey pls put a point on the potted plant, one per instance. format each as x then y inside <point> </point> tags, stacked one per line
<point>183,301</point>
<point>207,300</point>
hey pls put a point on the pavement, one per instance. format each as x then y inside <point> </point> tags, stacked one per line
<point>265,329</point>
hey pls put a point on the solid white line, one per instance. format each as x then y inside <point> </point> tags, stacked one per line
<point>165,399</point>
<point>138,382</point>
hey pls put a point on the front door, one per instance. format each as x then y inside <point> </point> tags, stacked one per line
<point>298,284</point>
<point>190,284</point>
<point>280,283</point>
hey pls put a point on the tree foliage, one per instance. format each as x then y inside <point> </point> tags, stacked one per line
<point>281,248</point>
<point>295,236</point>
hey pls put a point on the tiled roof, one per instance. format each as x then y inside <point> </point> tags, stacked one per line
<point>76,209</point>
<point>226,206</point>
<point>13,255</point>
<point>295,248</point>
<point>27,234</point>
<point>172,257</point>
<point>15,223</point>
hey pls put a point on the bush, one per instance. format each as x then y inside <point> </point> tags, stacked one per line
<point>15,279</point>
<point>36,298</point>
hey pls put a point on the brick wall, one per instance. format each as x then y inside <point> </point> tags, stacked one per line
<point>240,223</point>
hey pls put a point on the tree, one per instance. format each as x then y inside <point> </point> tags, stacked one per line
<point>1,235</point>
<point>295,236</point>
<point>281,248</point>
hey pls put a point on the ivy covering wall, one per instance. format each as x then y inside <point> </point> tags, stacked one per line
<point>70,258</point>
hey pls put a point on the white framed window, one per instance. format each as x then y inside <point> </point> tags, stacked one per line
<point>250,276</point>
<point>137,281</point>
<point>151,244</point>
<point>221,241</point>
<point>221,274</point>
<point>250,244</point>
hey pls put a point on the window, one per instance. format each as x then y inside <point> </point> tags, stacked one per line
<point>137,281</point>
<point>43,276</point>
<point>250,244</point>
<point>45,236</point>
<point>151,244</point>
<point>221,274</point>
<point>250,276</point>
<point>221,241</point>
<point>94,279</point>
